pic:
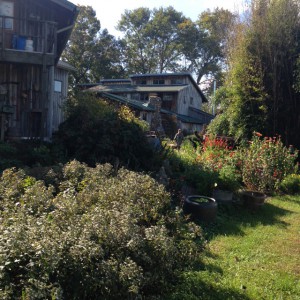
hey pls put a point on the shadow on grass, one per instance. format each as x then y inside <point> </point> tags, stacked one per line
<point>231,218</point>
<point>197,287</point>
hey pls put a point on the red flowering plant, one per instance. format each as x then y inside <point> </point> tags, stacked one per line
<point>218,155</point>
<point>266,162</point>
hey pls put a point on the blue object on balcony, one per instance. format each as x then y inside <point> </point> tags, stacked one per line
<point>19,42</point>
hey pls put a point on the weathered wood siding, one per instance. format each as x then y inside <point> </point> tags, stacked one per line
<point>59,98</point>
<point>24,88</point>
<point>188,97</point>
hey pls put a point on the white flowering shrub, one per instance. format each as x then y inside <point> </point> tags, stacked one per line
<point>98,234</point>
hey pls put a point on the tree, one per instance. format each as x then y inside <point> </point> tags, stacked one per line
<point>108,58</point>
<point>137,48</point>
<point>260,85</point>
<point>205,41</point>
<point>80,51</point>
<point>94,53</point>
<point>151,41</point>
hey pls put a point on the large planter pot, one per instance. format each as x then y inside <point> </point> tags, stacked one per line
<point>252,199</point>
<point>222,196</point>
<point>200,208</point>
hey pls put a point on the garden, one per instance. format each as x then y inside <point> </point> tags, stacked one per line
<point>89,217</point>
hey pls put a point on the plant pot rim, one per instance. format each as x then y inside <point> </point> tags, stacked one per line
<point>190,198</point>
<point>254,193</point>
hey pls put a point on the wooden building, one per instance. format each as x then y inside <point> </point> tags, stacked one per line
<point>180,99</point>
<point>33,82</point>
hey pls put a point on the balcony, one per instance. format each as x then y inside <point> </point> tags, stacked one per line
<point>30,41</point>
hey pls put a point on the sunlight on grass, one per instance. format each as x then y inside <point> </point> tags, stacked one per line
<point>251,255</point>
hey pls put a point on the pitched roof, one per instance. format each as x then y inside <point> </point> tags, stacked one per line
<point>145,106</point>
<point>188,74</point>
<point>128,88</point>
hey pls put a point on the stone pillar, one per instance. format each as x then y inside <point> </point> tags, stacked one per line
<point>156,124</point>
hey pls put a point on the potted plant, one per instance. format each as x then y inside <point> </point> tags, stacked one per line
<point>227,183</point>
<point>265,163</point>
<point>200,207</point>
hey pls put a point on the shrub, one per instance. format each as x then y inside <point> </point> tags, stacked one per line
<point>103,235</point>
<point>97,132</point>
<point>265,163</point>
<point>228,178</point>
<point>291,184</point>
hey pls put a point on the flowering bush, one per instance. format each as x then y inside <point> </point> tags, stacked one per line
<point>265,163</point>
<point>100,234</point>
<point>218,156</point>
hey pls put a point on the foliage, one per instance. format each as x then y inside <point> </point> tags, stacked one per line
<point>90,49</point>
<point>217,154</point>
<point>265,163</point>
<point>186,170</point>
<point>96,131</point>
<point>291,184</point>
<point>151,39</point>
<point>101,235</point>
<point>28,153</point>
<point>204,43</point>
<point>229,178</point>
<point>261,83</point>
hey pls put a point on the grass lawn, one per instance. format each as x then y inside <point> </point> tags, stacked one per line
<point>250,255</point>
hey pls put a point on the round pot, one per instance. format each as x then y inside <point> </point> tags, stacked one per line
<point>200,207</point>
<point>222,196</point>
<point>252,199</point>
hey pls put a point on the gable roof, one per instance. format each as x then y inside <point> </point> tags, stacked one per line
<point>128,88</point>
<point>145,106</point>
<point>65,16</point>
<point>187,74</point>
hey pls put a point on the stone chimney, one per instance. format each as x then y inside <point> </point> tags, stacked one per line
<point>156,124</point>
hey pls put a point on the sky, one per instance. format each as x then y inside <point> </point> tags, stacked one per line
<point>109,12</point>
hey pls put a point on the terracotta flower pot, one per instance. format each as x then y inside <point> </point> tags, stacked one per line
<point>200,208</point>
<point>252,199</point>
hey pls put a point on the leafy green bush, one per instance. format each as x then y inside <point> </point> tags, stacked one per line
<point>228,179</point>
<point>101,235</point>
<point>291,184</point>
<point>97,132</point>
<point>265,163</point>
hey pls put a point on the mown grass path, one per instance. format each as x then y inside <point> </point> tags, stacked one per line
<point>250,255</point>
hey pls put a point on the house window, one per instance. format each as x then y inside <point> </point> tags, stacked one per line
<point>142,82</point>
<point>158,81</point>
<point>57,86</point>
<point>176,81</point>
<point>191,100</point>
<point>7,10</point>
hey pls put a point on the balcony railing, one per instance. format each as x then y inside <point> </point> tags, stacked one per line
<point>32,34</point>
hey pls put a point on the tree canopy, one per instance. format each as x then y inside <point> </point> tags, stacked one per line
<point>260,88</point>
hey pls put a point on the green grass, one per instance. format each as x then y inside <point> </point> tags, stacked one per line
<point>250,255</point>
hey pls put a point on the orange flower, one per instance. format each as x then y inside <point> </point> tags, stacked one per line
<point>257,133</point>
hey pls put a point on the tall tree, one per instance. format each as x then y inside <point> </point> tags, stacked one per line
<point>151,39</point>
<point>205,41</point>
<point>137,47</point>
<point>263,77</point>
<point>80,51</point>
<point>95,54</point>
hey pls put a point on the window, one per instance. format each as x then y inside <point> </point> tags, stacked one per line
<point>57,86</point>
<point>176,81</point>
<point>7,10</point>
<point>191,100</point>
<point>158,81</point>
<point>142,82</point>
